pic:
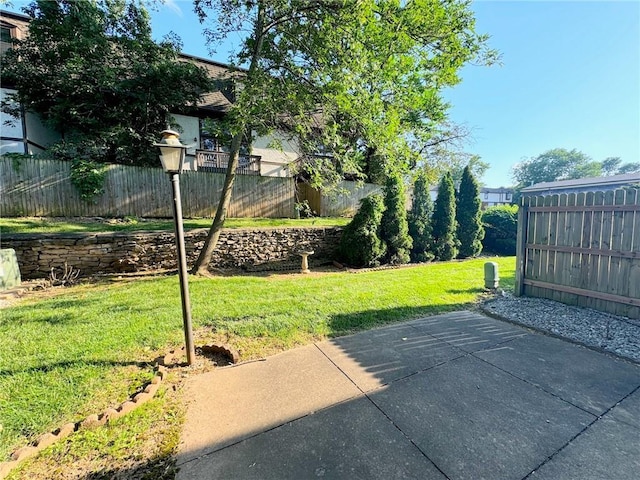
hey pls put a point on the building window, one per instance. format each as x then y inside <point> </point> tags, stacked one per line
<point>5,34</point>
<point>12,139</point>
<point>507,196</point>
<point>486,195</point>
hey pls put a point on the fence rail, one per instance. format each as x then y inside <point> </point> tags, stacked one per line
<point>43,188</point>
<point>582,249</point>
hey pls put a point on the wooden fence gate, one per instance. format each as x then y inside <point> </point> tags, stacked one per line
<point>581,249</point>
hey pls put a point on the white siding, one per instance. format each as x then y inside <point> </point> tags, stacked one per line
<point>274,161</point>
<point>189,135</point>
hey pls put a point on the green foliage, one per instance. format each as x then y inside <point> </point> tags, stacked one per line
<point>16,160</point>
<point>475,163</point>
<point>366,84</point>
<point>562,164</point>
<point>92,72</point>
<point>443,222</point>
<point>394,228</point>
<point>88,178</point>
<point>469,216</point>
<point>501,229</point>
<point>304,210</point>
<point>361,245</point>
<point>420,221</point>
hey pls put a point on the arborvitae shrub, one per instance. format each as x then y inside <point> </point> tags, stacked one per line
<point>394,229</point>
<point>443,222</point>
<point>501,229</point>
<point>420,221</point>
<point>469,216</point>
<point>360,245</point>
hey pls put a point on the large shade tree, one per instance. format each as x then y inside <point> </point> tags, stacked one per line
<point>91,70</point>
<point>361,79</point>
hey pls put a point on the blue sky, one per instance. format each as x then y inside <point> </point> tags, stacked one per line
<point>570,78</point>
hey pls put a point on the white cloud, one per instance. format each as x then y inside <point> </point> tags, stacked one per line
<point>173,6</point>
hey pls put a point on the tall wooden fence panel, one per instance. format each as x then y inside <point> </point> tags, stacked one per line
<point>582,249</point>
<point>344,201</point>
<point>43,188</point>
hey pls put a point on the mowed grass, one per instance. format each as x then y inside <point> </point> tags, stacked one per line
<point>132,224</point>
<point>90,346</point>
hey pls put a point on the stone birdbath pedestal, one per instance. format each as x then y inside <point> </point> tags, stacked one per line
<point>305,263</point>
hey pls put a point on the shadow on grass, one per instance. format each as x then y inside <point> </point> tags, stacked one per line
<point>73,364</point>
<point>477,290</point>
<point>159,468</point>
<point>346,324</point>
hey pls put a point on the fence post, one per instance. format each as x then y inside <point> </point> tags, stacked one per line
<point>521,250</point>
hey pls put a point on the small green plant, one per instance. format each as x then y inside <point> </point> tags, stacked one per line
<point>304,209</point>
<point>16,160</point>
<point>88,178</point>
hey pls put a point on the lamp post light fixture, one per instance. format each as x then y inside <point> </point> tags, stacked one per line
<point>172,159</point>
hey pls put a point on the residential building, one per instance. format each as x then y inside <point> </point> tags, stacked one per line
<point>592,184</point>
<point>493,197</point>
<point>25,134</point>
<point>490,197</point>
<point>206,153</point>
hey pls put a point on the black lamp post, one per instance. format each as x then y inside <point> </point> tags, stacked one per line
<point>172,158</point>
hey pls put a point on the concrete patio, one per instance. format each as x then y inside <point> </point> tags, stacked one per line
<point>455,396</point>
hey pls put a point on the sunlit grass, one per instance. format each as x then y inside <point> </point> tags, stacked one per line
<point>85,349</point>
<point>132,224</point>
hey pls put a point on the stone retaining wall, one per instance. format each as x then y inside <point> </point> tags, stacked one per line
<point>248,249</point>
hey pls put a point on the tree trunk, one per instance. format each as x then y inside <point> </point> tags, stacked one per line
<point>201,266</point>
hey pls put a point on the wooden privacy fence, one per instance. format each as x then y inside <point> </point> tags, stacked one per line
<point>582,249</point>
<point>343,202</point>
<point>43,188</point>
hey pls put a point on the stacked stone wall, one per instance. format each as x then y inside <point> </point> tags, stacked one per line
<point>97,253</point>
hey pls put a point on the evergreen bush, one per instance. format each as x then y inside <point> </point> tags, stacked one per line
<point>443,222</point>
<point>394,228</point>
<point>360,245</point>
<point>501,229</point>
<point>420,221</point>
<point>469,216</point>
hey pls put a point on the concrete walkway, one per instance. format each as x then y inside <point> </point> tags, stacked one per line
<point>455,396</point>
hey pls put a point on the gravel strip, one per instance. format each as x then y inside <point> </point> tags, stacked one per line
<point>610,333</point>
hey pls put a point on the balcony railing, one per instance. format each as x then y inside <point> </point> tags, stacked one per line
<point>210,161</point>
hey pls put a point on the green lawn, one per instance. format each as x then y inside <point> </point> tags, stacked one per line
<point>129,224</point>
<point>88,347</point>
